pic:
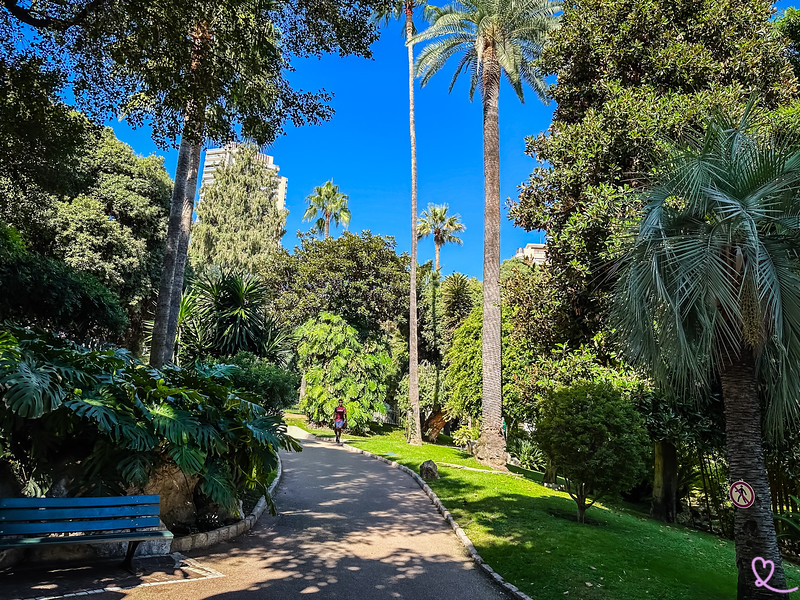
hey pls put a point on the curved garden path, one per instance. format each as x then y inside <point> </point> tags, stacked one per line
<point>349,528</point>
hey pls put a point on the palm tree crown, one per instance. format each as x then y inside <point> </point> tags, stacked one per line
<point>436,222</point>
<point>714,270</point>
<point>512,31</point>
<point>710,292</point>
<point>326,204</point>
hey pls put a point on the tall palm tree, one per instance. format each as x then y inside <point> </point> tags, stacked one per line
<point>398,10</point>
<point>325,204</point>
<point>442,227</point>
<point>710,292</point>
<point>493,37</point>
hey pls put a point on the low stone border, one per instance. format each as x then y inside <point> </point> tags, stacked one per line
<point>462,536</point>
<point>206,539</point>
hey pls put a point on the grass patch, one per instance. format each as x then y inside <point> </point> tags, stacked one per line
<point>529,534</point>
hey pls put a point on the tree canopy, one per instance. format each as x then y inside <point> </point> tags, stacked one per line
<point>240,216</point>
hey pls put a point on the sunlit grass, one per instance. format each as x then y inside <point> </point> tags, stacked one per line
<point>529,534</point>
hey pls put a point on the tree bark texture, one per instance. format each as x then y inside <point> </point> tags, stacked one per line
<point>492,443</point>
<point>665,482</point>
<point>413,349</point>
<point>327,226</point>
<point>754,528</point>
<point>179,228</point>
<point>187,210</point>
<point>437,249</point>
<point>434,424</point>
<point>159,342</point>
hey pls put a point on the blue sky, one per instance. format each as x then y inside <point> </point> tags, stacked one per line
<point>365,150</point>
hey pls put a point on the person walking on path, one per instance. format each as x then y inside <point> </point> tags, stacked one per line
<point>339,421</point>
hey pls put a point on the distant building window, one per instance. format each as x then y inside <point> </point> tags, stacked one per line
<point>533,253</point>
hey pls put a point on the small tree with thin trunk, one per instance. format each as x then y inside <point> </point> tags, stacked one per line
<point>595,438</point>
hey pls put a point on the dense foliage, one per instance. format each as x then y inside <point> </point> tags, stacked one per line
<point>100,421</point>
<point>359,277</point>
<point>276,387</point>
<point>239,218</point>
<point>223,313</point>
<point>47,292</point>
<point>337,366</point>
<point>594,437</point>
<point>629,74</point>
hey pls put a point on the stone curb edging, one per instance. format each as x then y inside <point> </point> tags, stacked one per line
<point>206,539</point>
<point>462,536</point>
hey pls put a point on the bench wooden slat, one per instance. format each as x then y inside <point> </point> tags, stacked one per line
<point>16,528</point>
<point>87,539</point>
<point>57,514</point>
<point>77,502</point>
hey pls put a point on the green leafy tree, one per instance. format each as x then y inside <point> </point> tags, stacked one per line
<point>359,277</point>
<point>592,433</point>
<point>630,74</point>
<point>460,295</point>
<point>239,218</point>
<point>710,289</point>
<point>48,293</point>
<point>788,25</point>
<point>327,203</point>
<point>196,70</point>
<point>337,366</point>
<point>436,222</point>
<point>114,227</point>
<point>494,37</point>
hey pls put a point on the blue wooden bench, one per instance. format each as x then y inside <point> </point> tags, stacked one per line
<point>28,522</point>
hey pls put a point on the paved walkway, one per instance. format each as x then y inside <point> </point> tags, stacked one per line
<point>349,528</point>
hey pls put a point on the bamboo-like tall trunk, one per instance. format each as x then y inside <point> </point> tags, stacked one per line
<point>415,436</point>
<point>492,443</point>
<point>180,215</point>
<point>160,341</point>
<point>754,527</point>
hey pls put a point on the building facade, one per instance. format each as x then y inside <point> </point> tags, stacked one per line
<point>533,253</point>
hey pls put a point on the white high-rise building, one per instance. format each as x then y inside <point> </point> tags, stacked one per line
<point>219,156</point>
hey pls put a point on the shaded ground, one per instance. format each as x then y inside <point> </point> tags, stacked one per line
<point>349,527</point>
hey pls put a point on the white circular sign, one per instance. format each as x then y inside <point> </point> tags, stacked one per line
<point>742,494</point>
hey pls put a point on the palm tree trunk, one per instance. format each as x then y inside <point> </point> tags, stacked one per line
<point>492,444</point>
<point>327,225</point>
<point>415,436</point>
<point>437,249</point>
<point>754,528</point>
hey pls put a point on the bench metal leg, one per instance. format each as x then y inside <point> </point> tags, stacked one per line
<point>129,555</point>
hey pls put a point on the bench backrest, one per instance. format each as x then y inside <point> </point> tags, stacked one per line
<point>40,516</point>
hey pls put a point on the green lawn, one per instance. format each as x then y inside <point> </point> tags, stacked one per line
<point>528,533</point>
